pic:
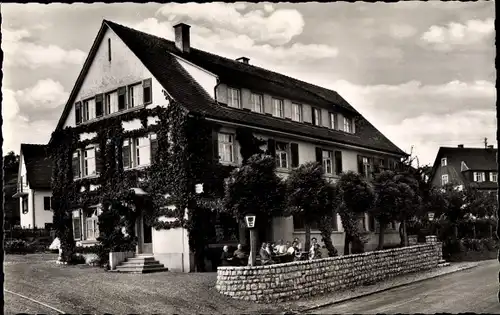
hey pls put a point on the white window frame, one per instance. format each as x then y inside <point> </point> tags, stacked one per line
<point>444,162</point>
<point>257,102</point>
<point>348,125</point>
<point>444,179</point>
<point>231,97</point>
<point>282,155</point>
<point>91,225</point>
<point>137,150</point>
<point>317,116</point>
<point>333,121</point>
<point>278,108</point>
<point>479,175</point>
<point>494,175</point>
<point>86,160</point>
<point>296,112</point>
<point>366,166</point>
<point>226,147</point>
<point>85,111</point>
<point>326,159</point>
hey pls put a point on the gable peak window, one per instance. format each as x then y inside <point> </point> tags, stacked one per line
<point>78,113</point>
<point>444,179</point>
<point>278,108</point>
<point>233,97</point>
<point>99,105</point>
<point>282,149</point>
<point>316,116</point>
<point>226,147</point>
<point>257,102</point>
<point>444,162</point>
<point>122,104</point>
<point>296,112</point>
<point>147,91</point>
<point>85,110</point>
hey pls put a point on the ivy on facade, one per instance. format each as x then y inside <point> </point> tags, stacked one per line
<point>186,156</point>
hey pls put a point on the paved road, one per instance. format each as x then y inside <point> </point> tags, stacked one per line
<point>473,290</point>
<point>15,305</point>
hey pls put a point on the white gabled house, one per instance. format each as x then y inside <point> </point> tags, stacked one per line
<point>128,70</point>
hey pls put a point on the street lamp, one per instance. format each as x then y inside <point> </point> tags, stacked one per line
<point>430,215</point>
<point>250,222</point>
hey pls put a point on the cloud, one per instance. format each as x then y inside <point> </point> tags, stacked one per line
<point>233,45</point>
<point>45,95</point>
<point>400,31</point>
<point>429,131</point>
<point>457,34</point>
<point>20,51</point>
<point>276,27</point>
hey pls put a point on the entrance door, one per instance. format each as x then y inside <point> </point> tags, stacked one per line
<point>147,238</point>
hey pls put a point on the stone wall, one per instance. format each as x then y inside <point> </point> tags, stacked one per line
<point>307,278</point>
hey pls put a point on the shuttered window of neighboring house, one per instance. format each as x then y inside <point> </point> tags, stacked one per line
<point>76,165</point>
<point>78,113</point>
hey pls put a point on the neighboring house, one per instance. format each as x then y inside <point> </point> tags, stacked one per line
<point>128,70</point>
<point>33,187</point>
<point>466,167</point>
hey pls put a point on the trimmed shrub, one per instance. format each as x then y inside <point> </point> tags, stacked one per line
<point>18,247</point>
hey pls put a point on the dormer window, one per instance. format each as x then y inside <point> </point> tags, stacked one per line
<point>257,102</point>
<point>296,112</point>
<point>348,125</point>
<point>479,177</point>
<point>444,162</point>
<point>233,98</point>
<point>278,108</point>
<point>316,116</point>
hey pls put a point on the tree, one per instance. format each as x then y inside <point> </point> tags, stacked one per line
<point>396,199</point>
<point>311,198</point>
<point>357,197</point>
<point>11,204</point>
<point>255,188</point>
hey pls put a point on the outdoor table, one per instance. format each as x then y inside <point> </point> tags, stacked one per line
<point>280,257</point>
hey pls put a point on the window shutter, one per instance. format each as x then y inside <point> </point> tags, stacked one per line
<point>319,155</point>
<point>98,160</point>
<point>154,149</point>
<point>126,154</point>
<point>215,145</point>
<point>78,113</point>
<point>313,115</point>
<point>360,164</point>
<point>294,148</point>
<point>271,147</point>
<point>338,162</point>
<point>76,165</point>
<point>146,86</point>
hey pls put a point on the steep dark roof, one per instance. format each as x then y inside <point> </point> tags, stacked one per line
<point>38,165</point>
<point>479,159</point>
<point>157,55</point>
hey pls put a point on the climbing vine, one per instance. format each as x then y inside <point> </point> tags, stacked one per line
<point>186,156</point>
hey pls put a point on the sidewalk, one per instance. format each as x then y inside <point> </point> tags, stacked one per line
<point>337,297</point>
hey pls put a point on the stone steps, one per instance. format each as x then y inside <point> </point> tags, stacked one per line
<point>142,263</point>
<point>443,263</point>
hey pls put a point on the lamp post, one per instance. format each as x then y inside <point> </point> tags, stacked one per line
<point>250,222</point>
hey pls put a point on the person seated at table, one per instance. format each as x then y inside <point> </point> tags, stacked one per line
<point>313,250</point>
<point>240,256</point>
<point>281,248</point>
<point>226,257</point>
<point>265,254</point>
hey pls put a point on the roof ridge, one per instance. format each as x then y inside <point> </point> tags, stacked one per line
<point>247,65</point>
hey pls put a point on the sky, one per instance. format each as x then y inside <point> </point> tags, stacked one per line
<point>422,72</point>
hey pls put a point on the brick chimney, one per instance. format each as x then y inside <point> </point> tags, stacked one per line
<point>461,146</point>
<point>182,41</point>
<point>243,60</point>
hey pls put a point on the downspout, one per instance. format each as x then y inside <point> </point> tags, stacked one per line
<point>33,206</point>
